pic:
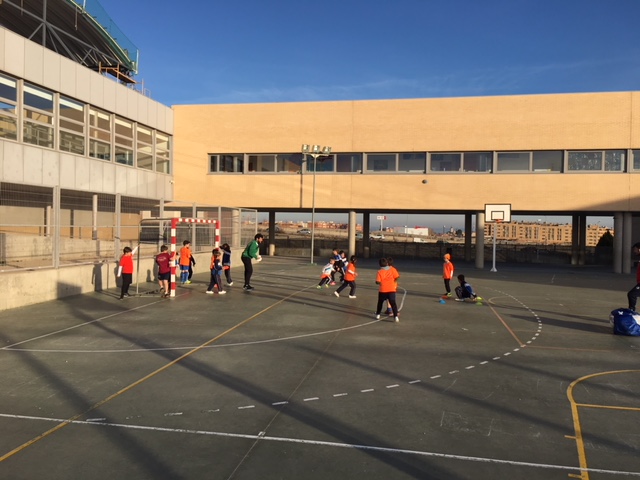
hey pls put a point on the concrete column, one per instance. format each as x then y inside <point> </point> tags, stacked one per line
<point>618,230</point>
<point>118,221</point>
<point>627,242</point>
<point>352,232</point>
<point>236,228</point>
<point>366,230</point>
<point>94,217</point>
<point>480,240</point>
<point>272,234</point>
<point>56,222</point>
<point>193,226</point>
<point>582,251</point>
<point>467,236</point>
<point>575,239</point>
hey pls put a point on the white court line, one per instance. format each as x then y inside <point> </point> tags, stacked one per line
<point>163,349</point>
<point>263,436</point>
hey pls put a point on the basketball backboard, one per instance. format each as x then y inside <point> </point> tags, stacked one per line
<point>497,212</point>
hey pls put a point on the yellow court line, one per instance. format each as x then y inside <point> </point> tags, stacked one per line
<point>70,420</point>
<point>582,456</point>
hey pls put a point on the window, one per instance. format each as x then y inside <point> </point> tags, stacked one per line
<point>636,159</point>
<point>163,153</point>
<point>514,161</point>
<point>477,162</point>
<point>231,163</point>
<point>412,162</point>
<point>71,123</point>
<point>349,162</point>
<point>144,147</point>
<point>381,162</point>
<point>8,108</point>
<point>38,116</point>
<point>446,162</point>
<point>123,151</point>
<point>548,161</point>
<point>599,160</point>
<point>324,163</point>
<point>262,163</point>
<point>289,162</point>
<point>99,134</point>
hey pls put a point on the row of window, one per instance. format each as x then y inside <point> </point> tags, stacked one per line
<point>427,162</point>
<point>34,115</point>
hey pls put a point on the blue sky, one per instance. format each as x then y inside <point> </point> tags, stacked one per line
<point>254,51</point>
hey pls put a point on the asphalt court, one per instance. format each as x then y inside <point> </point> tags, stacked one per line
<point>288,381</point>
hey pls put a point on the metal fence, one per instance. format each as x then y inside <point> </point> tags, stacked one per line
<point>44,227</point>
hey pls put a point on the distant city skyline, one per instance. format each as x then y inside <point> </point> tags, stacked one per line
<point>438,223</point>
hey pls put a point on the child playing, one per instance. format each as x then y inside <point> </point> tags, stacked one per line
<point>185,262</point>
<point>465,290</point>
<point>387,278</point>
<point>349,279</point>
<point>163,260</point>
<point>337,265</point>
<point>125,271</point>
<point>390,264</point>
<point>216,272</point>
<point>325,277</point>
<point>226,262</point>
<point>447,274</point>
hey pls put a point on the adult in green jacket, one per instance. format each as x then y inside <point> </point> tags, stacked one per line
<point>251,252</point>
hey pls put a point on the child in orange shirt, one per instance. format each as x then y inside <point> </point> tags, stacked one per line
<point>185,262</point>
<point>387,278</point>
<point>325,277</point>
<point>447,274</point>
<point>349,279</point>
<point>126,271</point>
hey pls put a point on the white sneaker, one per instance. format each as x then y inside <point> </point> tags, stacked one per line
<point>222,292</point>
<point>377,317</point>
<point>336,294</point>
<point>230,283</point>
<point>396,319</point>
<point>209,292</point>
<point>459,299</point>
<point>352,296</point>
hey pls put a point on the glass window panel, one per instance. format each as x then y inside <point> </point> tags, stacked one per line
<point>38,116</point>
<point>548,161</point>
<point>76,127</point>
<point>162,163</point>
<point>232,163</point>
<point>37,134</point>
<point>145,159</point>
<point>349,162</point>
<point>8,88</point>
<point>636,159</point>
<point>381,162</point>
<point>144,135</point>
<point>324,163</point>
<point>514,161</point>
<point>213,163</point>
<point>446,162</point>
<point>7,108</point>
<point>412,162</point>
<point>123,155</point>
<point>124,128</point>
<point>585,161</point>
<point>477,162</point>
<point>100,119</point>
<point>162,141</point>
<point>99,135</point>
<point>289,162</point>
<point>614,160</point>
<point>72,143</point>
<point>99,150</point>
<point>39,98</point>
<point>8,128</point>
<point>71,109</point>
<point>262,163</point>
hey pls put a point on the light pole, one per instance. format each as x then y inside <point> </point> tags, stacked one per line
<point>314,151</point>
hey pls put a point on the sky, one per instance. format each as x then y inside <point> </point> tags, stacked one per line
<point>257,51</point>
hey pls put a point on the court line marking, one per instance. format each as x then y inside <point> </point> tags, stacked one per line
<point>263,436</point>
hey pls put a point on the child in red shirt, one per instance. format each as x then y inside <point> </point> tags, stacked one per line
<point>126,271</point>
<point>387,278</point>
<point>447,274</point>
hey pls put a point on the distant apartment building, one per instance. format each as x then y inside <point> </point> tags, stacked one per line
<point>541,233</point>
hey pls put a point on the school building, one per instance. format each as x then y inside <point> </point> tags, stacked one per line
<point>82,144</point>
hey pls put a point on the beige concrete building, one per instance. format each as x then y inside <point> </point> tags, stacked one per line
<point>569,154</point>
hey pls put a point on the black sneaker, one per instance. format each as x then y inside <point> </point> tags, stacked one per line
<point>248,287</point>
